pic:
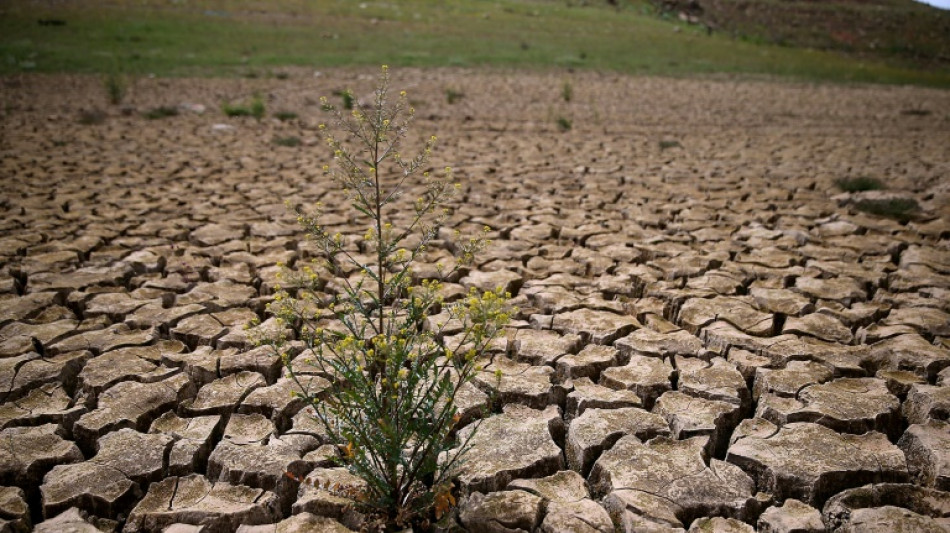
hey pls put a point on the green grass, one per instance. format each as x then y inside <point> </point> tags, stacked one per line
<point>284,116</point>
<point>453,95</point>
<point>254,109</point>
<point>161,112</point>
<point>665,145</point>
<point>290,141</point>
<point>234,37</point>
<point>862,183</point>
<point>900,209</point>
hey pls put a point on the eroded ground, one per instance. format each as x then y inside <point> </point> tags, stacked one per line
<point>708,334</point>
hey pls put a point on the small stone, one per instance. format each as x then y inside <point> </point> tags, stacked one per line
<point>29,453</point>
<point>71,520</point>
<point>841,289</point>
<point>648,342</point>
<point>791,517</point>
<point>195,500</point>
<point>298,523</point>
<point>541,347</point>
<point>313,496</point>
<point>600,327</point>
<point>589,395</point>
<point>105,340</point>
<point>850,405</point>
<point>588,363</point>
<point>222,396</point>
<point>506,280</point>
<point>198,330</point>
<point>519,383</point>
<point>131,405</point>
<point>889,518</point>
<point>262,467</point>
<point>845,461</point>
<point>670,479</point>
<point>887,507</point>
<point>910,352</point>
<point>193,440</point>
<point>781,301</point>
<point>110,368</point>
<point>899,382</point>
<point>508,511</point>
<point>567,504</point>
<point>697,313</point>
<point>49,404</point>
<point>820,326</point>
<point>98,489</point>
<point>718,524</point>
<point>927,402</point>
<point>927,448</point>
<point>788,381</point>
<point>691,417</point>
<point>716,380</point>
<point>515,444</point>
<point>597,430</point>
<point>280,401</point>
<point>14,511</point>
<point>647,377</point>
<point>139,456</point>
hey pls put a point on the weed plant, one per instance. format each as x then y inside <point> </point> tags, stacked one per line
<point>255,109</point>
<point>116,86</point>
<point>91,117</point>
<point>348,99</point>
<point>290,141</point>
<point>859,184</point>
<point>567,91</point>
<point>392,409</point>
<point>453,95</point>
<point>161,112</point>
<point>665,145</point>
<point>285,116</point>
<point>901,209</point>
<point>564,123</point>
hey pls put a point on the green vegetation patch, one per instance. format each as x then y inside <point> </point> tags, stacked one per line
<point>901,209</point>
<point>241,37</point>
<point>290,141</point>
<point>285,116</point>
<point>161,112</point>
<point>859,184</point>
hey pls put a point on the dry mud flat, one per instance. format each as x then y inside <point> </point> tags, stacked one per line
<point>709,338</point>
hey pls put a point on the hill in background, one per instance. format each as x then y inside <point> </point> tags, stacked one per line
<point>901,29</point>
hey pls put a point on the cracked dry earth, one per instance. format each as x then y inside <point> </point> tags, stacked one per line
<point>709,338</point>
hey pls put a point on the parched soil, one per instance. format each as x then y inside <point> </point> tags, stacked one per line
<point>709,333</point>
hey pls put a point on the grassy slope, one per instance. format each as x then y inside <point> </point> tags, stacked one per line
<point>895,29</point>
<point>238,36</point>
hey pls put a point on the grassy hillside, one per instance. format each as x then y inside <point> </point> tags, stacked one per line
<point>891,29</point>
<point>253,37</point>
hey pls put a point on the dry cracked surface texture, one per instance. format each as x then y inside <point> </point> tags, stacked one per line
<point>710,336</point>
